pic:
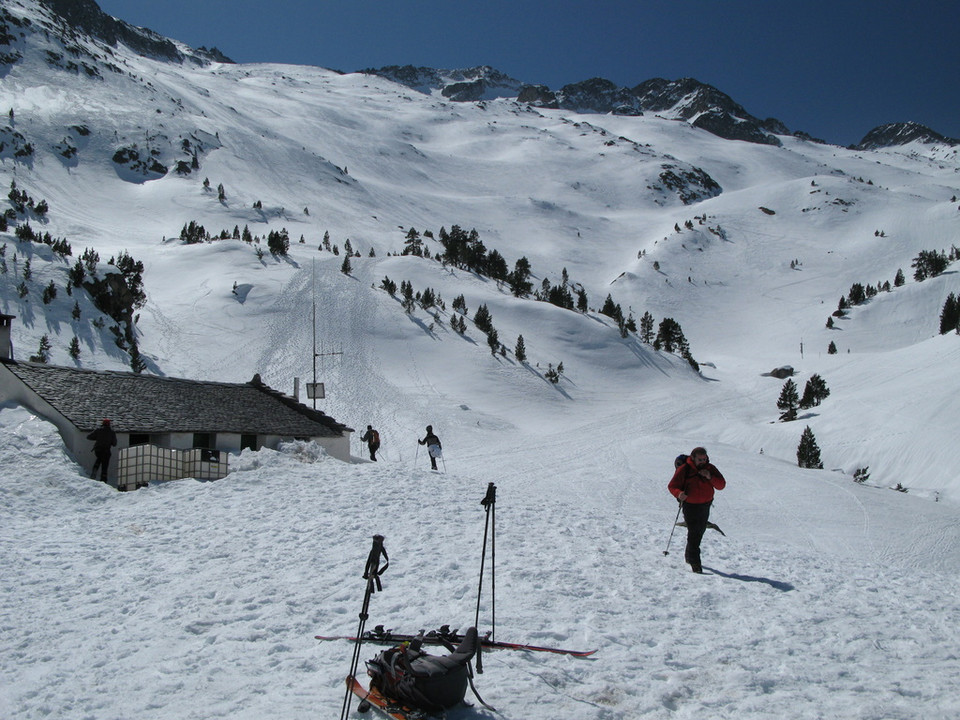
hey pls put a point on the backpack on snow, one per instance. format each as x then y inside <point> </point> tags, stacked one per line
<point>419,680</point>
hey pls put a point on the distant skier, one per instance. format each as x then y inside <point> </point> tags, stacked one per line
<point>103,438</point>
<point>372,438</point>
<point>693,484</point>
<point>434,448</point>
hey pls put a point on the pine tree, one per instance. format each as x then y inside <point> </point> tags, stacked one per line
<point>814,392</point>
<point>345,268</point>
<point>554,374</point>
<point>669,336</point>
<point>857,294</point>
<point>428,299</point>
<point>808,452</point>
<point>482,319</point>
<point>832,348</point>
<point>519,278</point>
<point>74,349</point>
<point>788,401</point>
<point>279,242</point>
<point>899,280</point>
<point>520,351</point>
<point>929,263</point>
<point>406,293</point>
<point>43,352</point>
<point>493,340</point>
<point>221,193</point>
<point>646,328</point>
<point>582,300</point>
<point>950,315</point>
<point>612,309</point>
<point>412,245</point>
<point>389,285</point>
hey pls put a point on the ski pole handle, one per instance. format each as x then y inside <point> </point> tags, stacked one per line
<point>373,571</point>
<point>491,497</point>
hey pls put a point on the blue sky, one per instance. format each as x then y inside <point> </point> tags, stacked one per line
<point>833,69</point>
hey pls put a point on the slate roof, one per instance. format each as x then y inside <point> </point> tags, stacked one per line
<point>139,403</point>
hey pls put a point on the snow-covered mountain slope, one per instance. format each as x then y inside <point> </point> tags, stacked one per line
<point>187,599</point>
<point>747,246</point>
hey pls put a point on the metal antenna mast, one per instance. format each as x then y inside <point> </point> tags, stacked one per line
<point>316,390</point>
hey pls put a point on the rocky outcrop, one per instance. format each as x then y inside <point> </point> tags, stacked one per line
<point>87,17</point>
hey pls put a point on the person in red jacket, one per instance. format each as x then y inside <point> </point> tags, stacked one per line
<point>693,484</point>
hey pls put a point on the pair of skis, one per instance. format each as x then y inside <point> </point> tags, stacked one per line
<point>444,636</point>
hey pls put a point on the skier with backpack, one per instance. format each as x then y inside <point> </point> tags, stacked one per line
<point>372,438</point>
<point>693,485</point>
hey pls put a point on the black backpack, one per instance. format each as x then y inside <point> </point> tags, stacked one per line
<point>419,680</point>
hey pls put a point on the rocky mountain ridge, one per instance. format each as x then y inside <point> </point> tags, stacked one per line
<point>894,134</point>
<point>687,99</point>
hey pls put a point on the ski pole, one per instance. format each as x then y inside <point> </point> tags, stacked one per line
<point>489,502</point>
<point>679,508</point>
<point>371,573</point>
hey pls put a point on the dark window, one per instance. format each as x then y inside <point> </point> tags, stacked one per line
<point>204,440</point>
<point>248,442</point>
<point>139,439</point>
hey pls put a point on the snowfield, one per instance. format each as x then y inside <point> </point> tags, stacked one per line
<point>200,600</point>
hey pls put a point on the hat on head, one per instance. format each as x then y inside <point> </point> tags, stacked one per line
<point>106,421</point>
<point>429,428</point>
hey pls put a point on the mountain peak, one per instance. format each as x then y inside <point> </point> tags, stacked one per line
<point>902,133</point>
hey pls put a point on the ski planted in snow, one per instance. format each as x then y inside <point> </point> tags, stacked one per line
<point>444,636</point>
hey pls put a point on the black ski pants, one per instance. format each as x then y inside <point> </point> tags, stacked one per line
<point>696,517</point>
<point>101,464</point>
